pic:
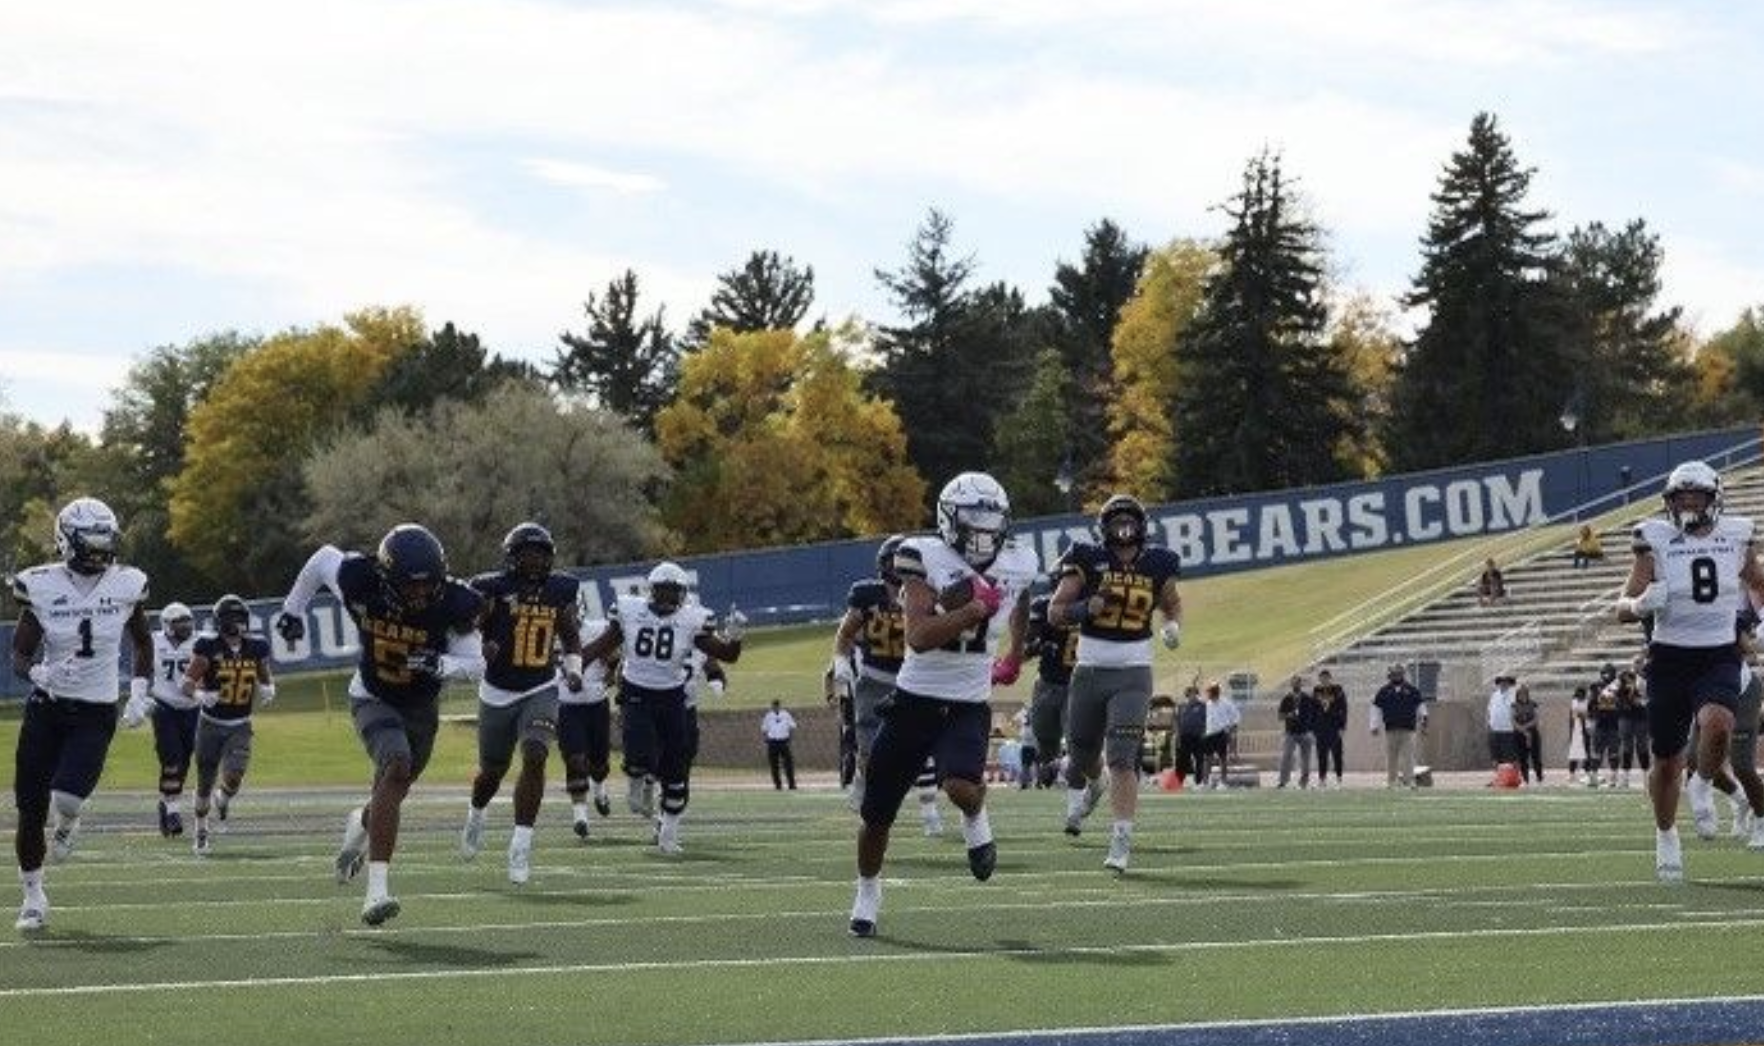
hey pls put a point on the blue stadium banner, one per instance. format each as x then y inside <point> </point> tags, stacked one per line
<point>1213,536</point>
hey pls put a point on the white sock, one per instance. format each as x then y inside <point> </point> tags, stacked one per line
<point>868,903</point>
<point>1074,801</point>
<point>598,788</point>
<point>1667,835</point>
<point>378,873</point>
<point>977,830</point>
<point>475,813</point>
<point>927,796</point>
<point>66,805</point>
<point>523,836</point>
<point>580,810</point>
<point>1124,828</point>
<point>33,881</point>
<point>670,822</point>
<point>175,804</point>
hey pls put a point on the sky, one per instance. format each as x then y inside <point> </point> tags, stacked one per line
<point>174,169</point>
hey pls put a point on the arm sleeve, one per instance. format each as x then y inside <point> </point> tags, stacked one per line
<point>320,571</point>
<point>464,657</point>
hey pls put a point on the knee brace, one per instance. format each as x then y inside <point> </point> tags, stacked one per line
<point>171,780</point>
<point>674,796</point>
<point>534,751</point>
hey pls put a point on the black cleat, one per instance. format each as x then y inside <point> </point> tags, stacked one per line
<point>982,860</point>
<point>174,823</point>
<point>581,830</point>
<point>164,820</point>
<point>603,806</point>
<point>863,928</point>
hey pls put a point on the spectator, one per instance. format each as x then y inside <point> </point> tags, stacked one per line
<point>1501,745</point>
<point>1491,587</point>
<point>1527,734</point>
<point>1026,751</point>
<point>1632,725</point>
<point>777,726</point>
<point>1191,736</point>
<point>1577,752</point>
<point>1298,714</point>
<point>1399,713</point>
<point>1606,718</point>
<point>1587,547</point>
<point>1331,722</point>
<point>1222,719</point>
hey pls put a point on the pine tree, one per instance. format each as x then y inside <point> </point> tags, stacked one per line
<point>768,292</point>
<point>626,365</point>
<point>1086,304</point>
<point>1488,375</point>
<point>1261,387</point>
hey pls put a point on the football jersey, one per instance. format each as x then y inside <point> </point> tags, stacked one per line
<point>1702,578</point>
<point>1121,634</point>
<point>232,674</point>
<point>657,650</point>
<point>390,634</point>
<point>170,659</point>
<point>961,670</point>
<point>84,621</point>
<point>520,626</point>
<point>1055,647</point>
<point>882,641</point>
<point>593,690</point>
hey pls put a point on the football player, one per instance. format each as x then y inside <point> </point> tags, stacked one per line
<point>939,704</point>
<point>584,737</point>
<point>656,636</point>
<point>1693,570</point>
<point>174,715</point>
<point>73,620</point>
<point>229,676</point>
<point>1055,648</point>
<point>418,628</point>
<point>530,614</point>
<point>1108,592</point>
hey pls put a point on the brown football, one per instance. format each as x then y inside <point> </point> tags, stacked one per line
<point>958,593</point>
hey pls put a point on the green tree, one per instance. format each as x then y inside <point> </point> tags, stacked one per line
<point>34,482</point>
<point>449,364</point>
<point>1086,302</point>
<point>1488,374</point>
<point>1263,393</point>
<point>1362,337</point>
<point>624,364</point>
<point>769,292</point>
<point>237,503</point>
<point>1628,358</point>
<point>777,443</point>
<point>1147,371</point>
<point>1728,372</point>
<point>958,358</point>
<point>1033,439</point>
<point>471,469</point>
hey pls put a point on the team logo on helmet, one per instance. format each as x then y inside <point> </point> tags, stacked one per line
<point>412,565</point>
<point>1693,496</point>
<point>973,516</point>
<point>668,583</point>
<point>87,535</point>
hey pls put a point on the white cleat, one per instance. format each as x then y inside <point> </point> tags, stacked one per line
<point>1668,858</point>
<point>1756,842</point>
<point>520,863</point>
<point>1742,821</point>
<point>353,853</point>
<point>61,844</point>
<point>379,909</point>
<point>1120,848</point>
<point>667,839</point>
<point>33,916</point>
<point>471,837</point>
<point>203,845</point>
<point>932,820</point>
<point>1702,803</point>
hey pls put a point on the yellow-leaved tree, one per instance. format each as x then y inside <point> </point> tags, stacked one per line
<point>238,501</point>
<point>775,442</point>
<point>1142,425</point>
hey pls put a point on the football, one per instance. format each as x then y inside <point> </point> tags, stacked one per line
<point>958,593</point>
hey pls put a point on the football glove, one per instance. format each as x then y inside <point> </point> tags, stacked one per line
<point>988,594</point>
<point>843,671</point>
<point>1651,600</point>
<point>1171,634</point>
<point>135,712</point>
<point>424,663</point>
<point>1005,670</point>
<point>291,627</point>
<point>57,678</point>
<point>734,625</point>
<point>208,698</point>
<point>266,693</point>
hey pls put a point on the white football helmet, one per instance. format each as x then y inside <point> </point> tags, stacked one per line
<point>178,622</point>
<point>87,536</point>
<point>973,513</point>
<point>1693,477</point>
<point>668,583</point>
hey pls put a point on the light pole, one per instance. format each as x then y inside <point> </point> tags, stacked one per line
<point>1570,419</point>
<point>1064,480</point>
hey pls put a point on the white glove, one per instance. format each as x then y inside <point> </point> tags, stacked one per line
<point>734,626</point>
<point>1171,633</point>
<point>266,693</point>
<point>1651,599</point>
<point>135,712</point>
<point>843,672</point>
<point>60,677</point>
<point>715,687</point>
<point>208,698</point>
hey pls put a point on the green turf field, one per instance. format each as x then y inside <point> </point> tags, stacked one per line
<point>1240,904</point>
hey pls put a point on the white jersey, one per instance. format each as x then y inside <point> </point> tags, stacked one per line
<point>1702,578</point>
<point>657,650</point>
<point>170,659</point>
<point>593,673</point>
<point>961,670</point>
<point>84,619</point>
<point>695,681</point>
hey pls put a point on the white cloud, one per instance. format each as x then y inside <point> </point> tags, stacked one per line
<point>588,176</point>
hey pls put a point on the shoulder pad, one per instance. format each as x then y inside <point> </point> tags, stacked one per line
<point>356,575</point>
<point>866,593</point>
<point>563,588</point>
<point>462,605</point>
<point>488,583</point>
<point>1166,558</point>
<point>257,648</point>
<point>205,644</point>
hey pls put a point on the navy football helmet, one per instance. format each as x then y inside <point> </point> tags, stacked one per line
<point>885,558</point>
<point>528,552</point>
<point>1121,522</point>
<point>412,565</point>
<point>232,618</point>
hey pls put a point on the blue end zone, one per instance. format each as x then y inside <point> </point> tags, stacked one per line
<point>1681,1023</point>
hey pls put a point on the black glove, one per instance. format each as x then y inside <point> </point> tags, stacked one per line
<point>291,627</point>
<point>424,662</point>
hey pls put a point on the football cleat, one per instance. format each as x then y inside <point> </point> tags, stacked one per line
<point>982,860</point>
<point>1074,824</point>
<point>1120,846</point>
<point>602,804</point>
<point>1668,858</point>
<point>61,845</point>
<point>932,820</point>
<point>202,846</point>
<point>581,830</point>
<point>353,853</point>
<point>165,816</point>
<point>471,837</point>
<point>1702,803</point>
<point>520,863</point>
<point>33,916</point>
<point>1093,793</point>
<point>379,909</point>
<point>221,802</point>
<point>667,839</point>
<point>1756,842</point>
<point>863,927</point>
<point>174,823</point>
<point>1742,821</point>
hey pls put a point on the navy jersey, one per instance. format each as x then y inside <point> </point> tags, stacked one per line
<point>1056,647</point>
<point>232,675</point>
<point>882,642</point>
<point>520,627</point>
<point>390,635</point>
<point>1131,591</point>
